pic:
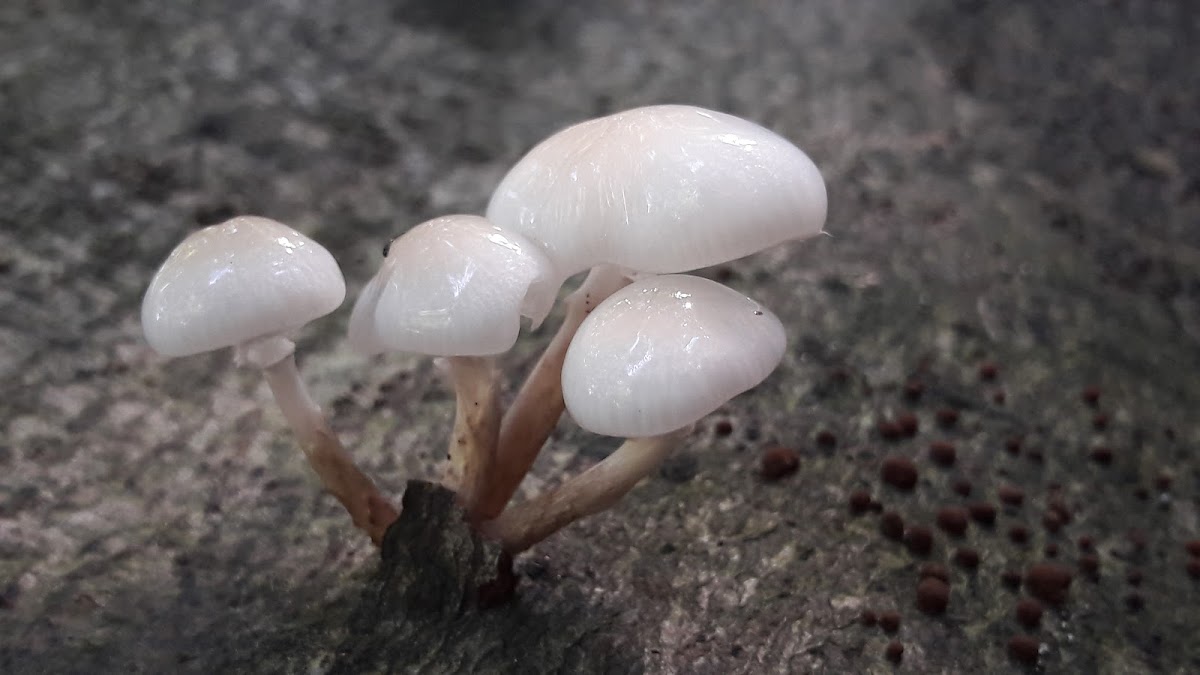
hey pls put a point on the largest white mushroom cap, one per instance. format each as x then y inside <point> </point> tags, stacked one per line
<point>246,278</point>
<point>452,286</point>
<point>666,188</point>
<point>665,351</point>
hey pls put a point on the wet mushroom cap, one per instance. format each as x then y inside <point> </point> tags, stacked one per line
<point>246,278</point>
<point>452,286</point>
<point>665,351</point>
<point>666,188</point>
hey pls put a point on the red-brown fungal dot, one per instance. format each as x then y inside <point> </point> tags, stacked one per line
<point>1018,534</point>
<point>826,439</point>
<point>779,462</point>
<point>953,520</point>
<point>1090,395</point>
<point>899,472</point>
<point>1013,446</point>
<point>1137,539</point>
<point>1035,456</point>
<point>1011,495</point>
<point>1102,455</point>
<point>946,417</point>
<point>1133,576</point>
<point>1029,612</point>
<point>988,371</point>
<point>1051,521</point>
<point>1011,579</point>
<point>999,397</point>
<point>1100,421</point>
<point>889,430</point>
<point>933,596</point>
<point>1089,564</point>
<point>723,428</point>
<point>868,618</point>
<point>1085,543</point>
<point>860,502</point>
<point>1162,482</point>
<point>1048,582</point>
<point>966,558</point>
<point>1193,568</point>
<point>935,570</point>
<point>943,453</point>
<point>1193,547</point>
<point>913,389</point>
<point>909,424</point>
<point>876,506</point>
<point>891,525</point>
<point>889,621</point>
<point>1051,550</point>
<point>894,651</point>
<point>1059,508</point>
<point>983,513</point>
<point>919,540</point>
<point>1024,649</point>
<point>962,487</point>
<point>1134,601</point>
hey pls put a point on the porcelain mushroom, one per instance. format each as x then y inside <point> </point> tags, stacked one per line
<point>248,283</point>
<point>651,360</point>
<point>456,287</point>
<point>660,189</point>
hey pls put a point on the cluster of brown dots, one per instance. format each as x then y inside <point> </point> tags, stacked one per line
<point>1038,585</point>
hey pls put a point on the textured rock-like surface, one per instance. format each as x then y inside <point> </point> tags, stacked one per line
<point>1011,182</point>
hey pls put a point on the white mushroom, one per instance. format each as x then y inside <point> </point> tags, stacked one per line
<point>660,189</point>
<point>247,283</point>
<point>650,361</point>
<point>456,287</point>
<point>666,188</point>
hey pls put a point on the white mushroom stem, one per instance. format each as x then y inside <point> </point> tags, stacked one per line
<point>369,509</point>
<point>537,407</point>
<point>476,426</point>
<point>590,492</point>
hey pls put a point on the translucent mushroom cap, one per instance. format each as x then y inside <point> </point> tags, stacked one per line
<point>665,351</point>
<point>246,278</point>
<point>452,286</point>
<point>660,189</point>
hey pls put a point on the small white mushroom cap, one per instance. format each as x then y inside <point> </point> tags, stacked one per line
<point>227,284</point>
<point>665,351</point>
<point>453,286</point>
<point>665,188</point>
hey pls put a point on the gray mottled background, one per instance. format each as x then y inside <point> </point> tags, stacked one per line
<point>1011,181</point>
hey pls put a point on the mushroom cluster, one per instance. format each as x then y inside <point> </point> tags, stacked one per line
<point>633,199</point>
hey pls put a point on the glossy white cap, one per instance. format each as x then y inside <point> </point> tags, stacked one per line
<point>452,286</point>
<point>665,188</point>
<point>246,278</point>
<point>665,351</point>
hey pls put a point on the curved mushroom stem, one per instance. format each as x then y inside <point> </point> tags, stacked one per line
<point>592,491</point>
<point>369,509</point>
<point>476,427</point>
<point>538,405</point>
